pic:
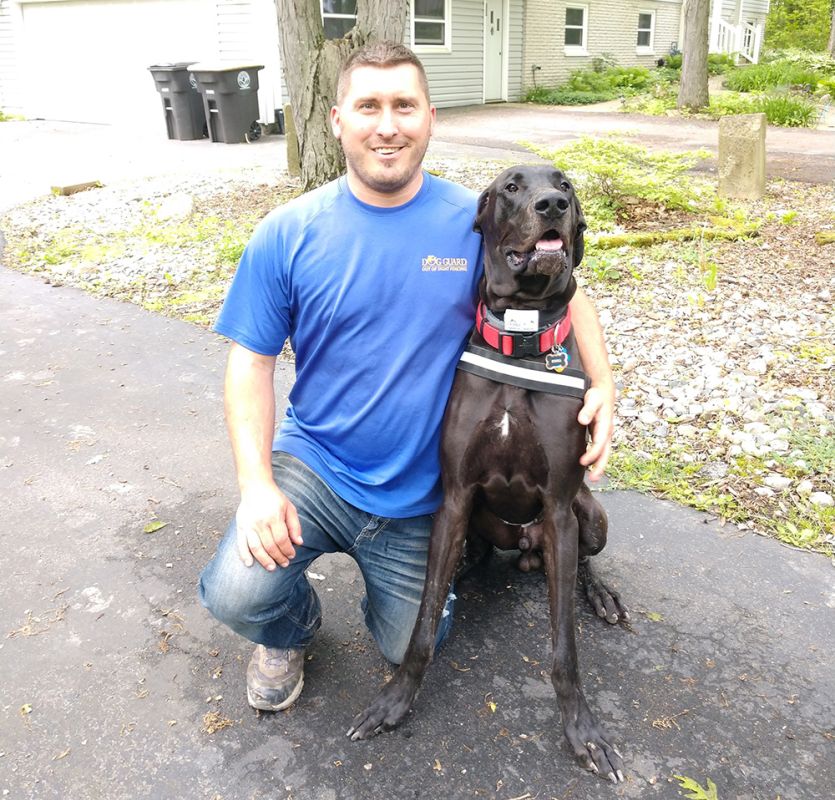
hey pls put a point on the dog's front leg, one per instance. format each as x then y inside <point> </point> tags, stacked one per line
<point>588,740</point>
<point>445,546</point>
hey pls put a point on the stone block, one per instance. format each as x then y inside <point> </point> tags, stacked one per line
<point>294,166</point>
<point>742,156</point>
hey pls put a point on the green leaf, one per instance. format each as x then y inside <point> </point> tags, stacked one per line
<point>153,527</point>
<point>697,791</point>
<point>654,616</point>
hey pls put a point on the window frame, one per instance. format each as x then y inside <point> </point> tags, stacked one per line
<point>577,49</point>
<point>650,48</point>
<point>334,16</point>
<point>446,46</point>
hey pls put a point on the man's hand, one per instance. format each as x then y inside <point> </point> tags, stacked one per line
<point>598,412</point>
<point>268,527</point>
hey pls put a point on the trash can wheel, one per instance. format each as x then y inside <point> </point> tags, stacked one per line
<point>254,133</point>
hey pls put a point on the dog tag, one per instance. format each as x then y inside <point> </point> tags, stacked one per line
<point>521,320</point>
<point>557,359</point>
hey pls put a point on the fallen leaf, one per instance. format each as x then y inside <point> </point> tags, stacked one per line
<point>153,527</point>
<point>654,616</point>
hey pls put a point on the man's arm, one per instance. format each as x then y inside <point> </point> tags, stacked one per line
<point>599,406</point>
<point>267,523</point>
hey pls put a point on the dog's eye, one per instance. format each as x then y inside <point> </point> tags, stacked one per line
<point>565,186</point>
<point>511,187</point>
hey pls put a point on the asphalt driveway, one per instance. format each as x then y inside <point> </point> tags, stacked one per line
<point>116,683</point>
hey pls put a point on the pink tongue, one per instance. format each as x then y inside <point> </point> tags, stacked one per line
<point>549,244</point>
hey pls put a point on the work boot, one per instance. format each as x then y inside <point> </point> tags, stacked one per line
<point>274,677</point>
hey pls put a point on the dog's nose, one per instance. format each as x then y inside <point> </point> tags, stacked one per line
<point>552,204</point>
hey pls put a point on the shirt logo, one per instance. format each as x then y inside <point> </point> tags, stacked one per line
<point>436,264</point>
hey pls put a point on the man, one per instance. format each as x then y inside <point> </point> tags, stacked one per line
<point>374,278</point>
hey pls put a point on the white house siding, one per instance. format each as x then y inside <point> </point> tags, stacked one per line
<point>87,60</point>
<point>456,76</point>
<point>612,29</point>
<point>247,33</point>
<point>9,95</point>
<point>751,10</point>
<point>516,30</point>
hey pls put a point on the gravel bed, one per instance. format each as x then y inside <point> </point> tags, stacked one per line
<point>726,379</point>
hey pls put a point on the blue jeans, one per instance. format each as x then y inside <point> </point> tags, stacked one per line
<point>281,609</point>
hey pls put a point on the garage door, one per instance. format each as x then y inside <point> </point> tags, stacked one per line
<point>88,61</point>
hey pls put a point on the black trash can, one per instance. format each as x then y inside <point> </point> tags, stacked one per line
<point>182,102</point>
<point>230,100</point>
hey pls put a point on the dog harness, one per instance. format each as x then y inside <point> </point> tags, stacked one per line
<point>536,361</point>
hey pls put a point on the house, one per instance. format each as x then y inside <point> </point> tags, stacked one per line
<point>737,28</point>
<point>566,35</point>
<point>87,60</point>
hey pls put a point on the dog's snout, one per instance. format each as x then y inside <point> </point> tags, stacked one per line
<point>551,204</point>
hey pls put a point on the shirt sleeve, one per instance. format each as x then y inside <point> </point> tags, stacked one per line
<point>256,312</point>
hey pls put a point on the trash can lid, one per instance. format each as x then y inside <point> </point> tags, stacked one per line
<point>217,66</point>
<point>171,65</point>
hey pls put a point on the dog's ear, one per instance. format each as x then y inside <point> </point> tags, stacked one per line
<point>481,208</point>
<point>580,227</point>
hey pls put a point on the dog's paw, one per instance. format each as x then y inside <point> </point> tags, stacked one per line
<point>594,751</point>
<point>386,712</point>
<point>605,602</point>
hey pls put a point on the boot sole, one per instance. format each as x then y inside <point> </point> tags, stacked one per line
<point>262,705</point>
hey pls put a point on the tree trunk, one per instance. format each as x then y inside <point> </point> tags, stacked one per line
<point>311,64</point>
<point>831,45</point>
<point>693,92</point>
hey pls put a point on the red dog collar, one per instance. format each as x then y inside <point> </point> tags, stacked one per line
<point>515,344</point>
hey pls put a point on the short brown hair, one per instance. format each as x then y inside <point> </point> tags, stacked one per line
<point>382,55</point>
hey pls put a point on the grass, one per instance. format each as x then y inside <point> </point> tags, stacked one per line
<point>785,90</point>
<point>610,173</point>
<point>195,295</point>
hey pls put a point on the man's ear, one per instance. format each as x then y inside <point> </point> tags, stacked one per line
<point>579,228</point>
<point>336,122</point>
<point>481,210</point>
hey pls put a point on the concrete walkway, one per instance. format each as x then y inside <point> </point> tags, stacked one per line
<point>113,676</point>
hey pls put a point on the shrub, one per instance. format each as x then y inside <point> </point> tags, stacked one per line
<point>586,86</point>
<point>717,63</point>
<point>611,172</point>
<point>759,77</point>
<point>817,62</point>
<point>791,111</point>
<point>788,110</point>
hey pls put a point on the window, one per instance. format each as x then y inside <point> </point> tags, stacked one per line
<point>338,17</point>
<point>430,23</point>
<point>576,29</point>
<point>646,31</point>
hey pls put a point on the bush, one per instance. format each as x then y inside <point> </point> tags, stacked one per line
<point>717,63</point>
<point>610,172</point>
<point>566,97</point>
<point>788,110</point>
<point>759,77</point>
<point>817,62</point>
<point>585,86</point>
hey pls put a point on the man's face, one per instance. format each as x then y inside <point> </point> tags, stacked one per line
<point>384,123</point>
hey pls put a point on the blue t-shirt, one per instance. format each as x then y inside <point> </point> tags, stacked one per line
<point>377,303</point>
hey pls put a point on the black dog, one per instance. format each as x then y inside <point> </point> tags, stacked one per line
<point>511,446</point>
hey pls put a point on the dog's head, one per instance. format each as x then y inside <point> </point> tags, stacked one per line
<point>532,226</point>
